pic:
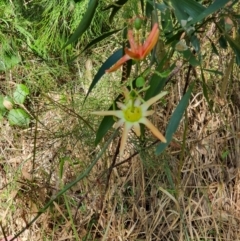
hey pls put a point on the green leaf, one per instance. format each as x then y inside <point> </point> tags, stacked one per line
<point>192,7</point>
<point>188,55</point>
<point>195,43</point>
<point>100,38</point>
<point>215,6</point>
<point>2,107</point>
<point>20,93</point>
<point>235,46</point>
<point>3,110</point>
<point>142,6</point>
<point>157,82</point>
<point>205,88</point>
<point>175,120</point>
<point>214,49</point>
<point>106,65</point>
<point>234,43</point>
<point>163,74</point>
<point>8,61</point>
<point>167,25</point>
<point>162,7</point>
<point>149,9</point>
<point>96,40</point>
<point>187,8</point>
<point>222,42</point>
<point>18,117</point>
<point>115,8</point>
<point>85,22</point>
<point>214,71</point>
<point>105,124</point>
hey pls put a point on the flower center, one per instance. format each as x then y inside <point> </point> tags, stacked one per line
<point>133,114</point>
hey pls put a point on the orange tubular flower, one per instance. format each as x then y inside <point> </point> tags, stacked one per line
<point>137,51</point>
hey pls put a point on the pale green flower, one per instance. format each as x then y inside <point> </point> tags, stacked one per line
<point>131,115</point>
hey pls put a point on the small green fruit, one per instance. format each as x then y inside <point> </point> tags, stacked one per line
<point>140,82</point>
<point>137,23</point>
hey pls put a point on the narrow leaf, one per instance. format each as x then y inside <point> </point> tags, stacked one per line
<point>222,42</point>
<point>175,120</point>
<point>95,41</point>
<point>214,71</point>
<point>149,8</point>
<point>106,65</point>
<point>226,78</point>
<point>115,8</point>
<point>106,124</point>
<point>104,127</point>
<point>99,39</point>
<point>235,45</point>
<point>157,83</point>
<point>205,88</point>
<point>85,22</point>
<point>210,10</point>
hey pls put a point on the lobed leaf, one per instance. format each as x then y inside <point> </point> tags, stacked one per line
<point>20,93</point>
<point>18,117</point>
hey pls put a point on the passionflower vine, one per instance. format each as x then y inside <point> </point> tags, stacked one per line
<point>137,50</point>
<point>131,115</point>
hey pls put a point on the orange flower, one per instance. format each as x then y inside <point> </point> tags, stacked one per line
<point>137,51</point>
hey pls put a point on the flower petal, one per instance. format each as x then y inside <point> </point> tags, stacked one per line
<point>126,129</point>
<point>136,128</point>
<point>153,129</point>
<point>148,112</point>
<point>121,106</point>
<point>118,124</point>
<point>119,63</point>
<point>137,102</point>
<point>152,100</point>
<point>133,44</point>
<point>132,54</point>
<point>117,113</point>
<point>126,93</point>
<point>151,40</point>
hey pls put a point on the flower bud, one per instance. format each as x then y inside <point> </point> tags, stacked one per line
<point>8,103</point>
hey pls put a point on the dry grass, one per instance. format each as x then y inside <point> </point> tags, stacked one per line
<point>185,194</point>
